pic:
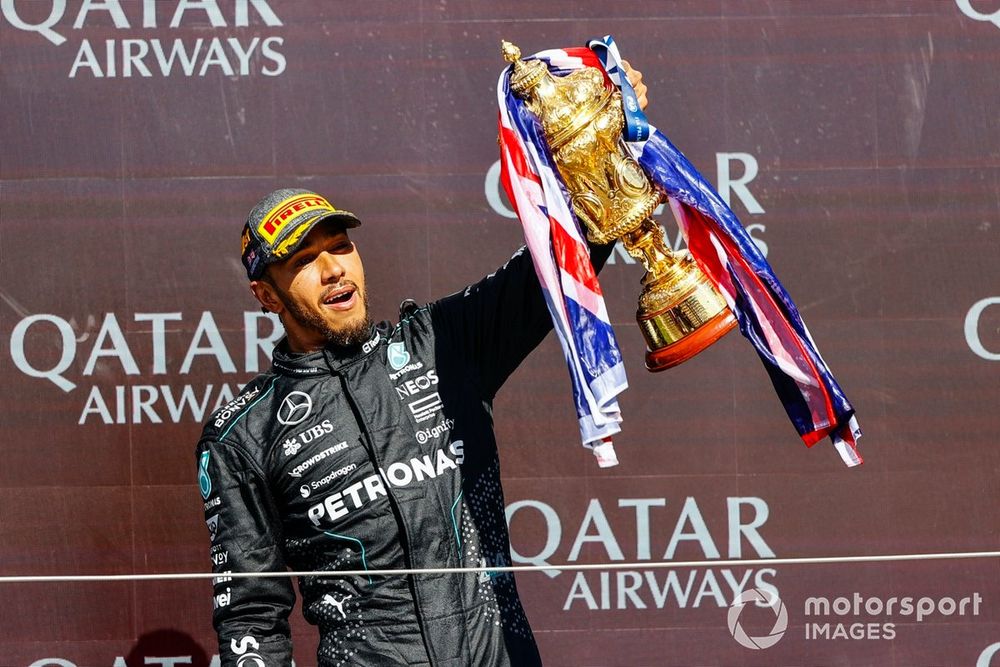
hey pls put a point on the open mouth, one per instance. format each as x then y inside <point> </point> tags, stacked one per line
<point>340,297</point>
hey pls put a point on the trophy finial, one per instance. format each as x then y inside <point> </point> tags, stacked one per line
<point>510,52</point>
<point>527,73</point>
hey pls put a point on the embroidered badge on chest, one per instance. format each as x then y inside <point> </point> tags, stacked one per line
<point>398,355</point>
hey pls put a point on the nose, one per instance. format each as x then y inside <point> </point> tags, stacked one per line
<point>331,270</point>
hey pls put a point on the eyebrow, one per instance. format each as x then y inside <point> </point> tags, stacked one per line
<point>331,239</point>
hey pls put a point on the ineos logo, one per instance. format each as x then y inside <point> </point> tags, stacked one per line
<point>965,6</point>
<point>295,408</point>
<point>780,620</point>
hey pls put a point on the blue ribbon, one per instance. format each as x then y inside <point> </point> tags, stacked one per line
<point>636,125</point>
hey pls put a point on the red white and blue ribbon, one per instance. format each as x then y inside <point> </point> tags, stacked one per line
<point>561,257</point>
<point>766,313</point>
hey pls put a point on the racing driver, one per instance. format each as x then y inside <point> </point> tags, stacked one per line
<point>367,446</point>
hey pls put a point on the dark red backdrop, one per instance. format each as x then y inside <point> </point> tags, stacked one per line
<point>873,130</point>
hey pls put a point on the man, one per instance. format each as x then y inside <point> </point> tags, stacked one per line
<point>367,447</point>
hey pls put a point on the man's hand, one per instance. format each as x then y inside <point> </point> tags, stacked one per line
<point>635,78</point>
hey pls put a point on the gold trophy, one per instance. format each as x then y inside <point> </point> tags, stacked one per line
<point>680,311</point>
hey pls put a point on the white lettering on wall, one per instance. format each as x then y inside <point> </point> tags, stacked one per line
<point>140,56</point>
<point>965,6</point>
<point>206,9</point>
<point>986,657</point>
<point>729,186</point>
<point>49,347</point>
<point>553,533</point>
<point>596,527</point>
<point>972,328</point>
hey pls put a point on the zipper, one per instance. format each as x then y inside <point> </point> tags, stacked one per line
<point>369,444</point>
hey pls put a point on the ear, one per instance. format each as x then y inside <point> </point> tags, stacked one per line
<point>266,295</point>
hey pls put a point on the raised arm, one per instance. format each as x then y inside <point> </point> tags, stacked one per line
<point>494,323</point>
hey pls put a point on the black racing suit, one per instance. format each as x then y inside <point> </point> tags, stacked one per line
<point>382,456</point>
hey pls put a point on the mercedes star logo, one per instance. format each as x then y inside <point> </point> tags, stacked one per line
<point>295,408</point>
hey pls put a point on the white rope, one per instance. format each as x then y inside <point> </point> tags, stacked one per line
<point>642,565</point>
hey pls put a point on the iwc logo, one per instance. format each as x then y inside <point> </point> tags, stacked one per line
<point>398,356</point>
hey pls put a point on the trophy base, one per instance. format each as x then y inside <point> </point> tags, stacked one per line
<point>680,314</point>
<point>692,344</point>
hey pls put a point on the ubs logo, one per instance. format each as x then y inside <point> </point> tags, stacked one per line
<point>965,6</point>
<point>295,408</point>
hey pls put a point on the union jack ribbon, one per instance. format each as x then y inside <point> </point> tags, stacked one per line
<point>767,316</point>
<point>561,257</point>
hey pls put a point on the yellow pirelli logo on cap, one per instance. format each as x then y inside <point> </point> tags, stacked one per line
<point>288,209</point>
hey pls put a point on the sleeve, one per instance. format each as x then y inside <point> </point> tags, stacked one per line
<point>495,323</point>
<point>250,615</point>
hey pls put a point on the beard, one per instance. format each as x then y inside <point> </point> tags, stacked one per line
<point>349,335</point>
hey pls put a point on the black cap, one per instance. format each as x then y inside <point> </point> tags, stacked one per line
<point>280,221</point>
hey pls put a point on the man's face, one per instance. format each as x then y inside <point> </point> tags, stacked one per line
<point>319,291</point>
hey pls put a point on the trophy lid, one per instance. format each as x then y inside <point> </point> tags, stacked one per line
<point>526,74</point>
<point>564,104</point>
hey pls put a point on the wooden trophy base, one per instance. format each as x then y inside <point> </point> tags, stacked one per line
<point>691,344</point>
